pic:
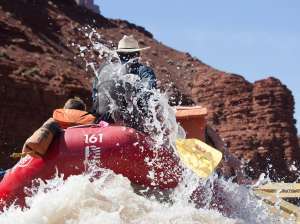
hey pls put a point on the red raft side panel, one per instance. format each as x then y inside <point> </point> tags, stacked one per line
<point>121,149</point>
<point>125,151</point>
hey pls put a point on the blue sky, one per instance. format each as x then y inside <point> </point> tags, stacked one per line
<point>257,38</point>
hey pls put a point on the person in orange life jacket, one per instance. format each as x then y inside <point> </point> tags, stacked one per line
<point>73,113</point>
<point>110,93</point>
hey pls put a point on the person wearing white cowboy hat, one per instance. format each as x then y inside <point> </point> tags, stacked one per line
<point>129,52</point>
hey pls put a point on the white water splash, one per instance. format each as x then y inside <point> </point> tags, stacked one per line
<point>110,199</point>
<point>160,122</point>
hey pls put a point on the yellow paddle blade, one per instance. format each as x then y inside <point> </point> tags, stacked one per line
<point>198,156</point>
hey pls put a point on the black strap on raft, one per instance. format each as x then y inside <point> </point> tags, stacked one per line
<point>18,155</point>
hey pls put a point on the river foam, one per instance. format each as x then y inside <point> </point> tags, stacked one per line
<point>109,199</point>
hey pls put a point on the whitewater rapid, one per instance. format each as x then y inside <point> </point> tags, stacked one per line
<point>111,199</point>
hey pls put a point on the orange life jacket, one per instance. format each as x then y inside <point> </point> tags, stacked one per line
<point>41,139</point>
<point>71,117</point>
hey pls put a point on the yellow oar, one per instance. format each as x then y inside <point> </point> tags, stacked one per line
<point>198,156</point>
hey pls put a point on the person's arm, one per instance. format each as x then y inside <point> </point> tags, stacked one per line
<point>146,73</point>
<point>94,89</point>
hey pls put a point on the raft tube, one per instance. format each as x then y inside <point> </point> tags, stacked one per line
<point>122,150</point>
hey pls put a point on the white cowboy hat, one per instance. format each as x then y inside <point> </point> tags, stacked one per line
<point>129,44</point>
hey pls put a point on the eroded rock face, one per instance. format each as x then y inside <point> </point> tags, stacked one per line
<point>255,120</point>
<point>38,72</point>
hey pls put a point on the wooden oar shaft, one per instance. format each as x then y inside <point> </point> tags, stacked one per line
<point>281,194</point>
<point>280,187</point>
<point>285,206</point>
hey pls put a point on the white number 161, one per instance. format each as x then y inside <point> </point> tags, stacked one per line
<point>93,138</point>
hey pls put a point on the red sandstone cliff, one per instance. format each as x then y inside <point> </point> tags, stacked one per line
<point>255,120</point>
<point>38,72</point>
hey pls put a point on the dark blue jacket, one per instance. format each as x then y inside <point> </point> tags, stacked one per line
<point>101,106</point>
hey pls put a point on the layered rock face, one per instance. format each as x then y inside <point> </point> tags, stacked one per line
<point>255,120</point>
<point>38,72</point>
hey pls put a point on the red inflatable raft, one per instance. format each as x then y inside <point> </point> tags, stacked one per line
<point>121,149</point>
